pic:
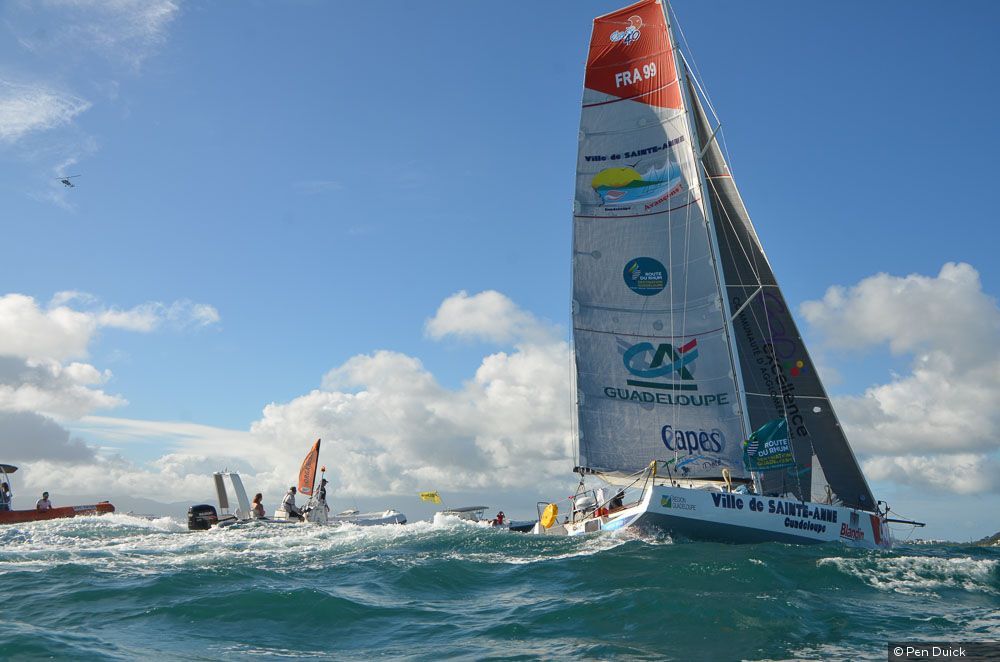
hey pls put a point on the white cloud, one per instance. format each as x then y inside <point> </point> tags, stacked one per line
<point>49,387</point>
<point>60,332</point>
<point>26,109</point>
<point>938,425</point>
<point>126,31</point>
<point>29,331</point>
<point>171,478</point>
<point>37,342</point>
<point>41,448</point>
<point>149,316</point>
<point>29,436</point>
<point>488,316</point>
<point>392,428</point>
<point>962,473</point>
<point>388,426</point>
<point>192,438</point>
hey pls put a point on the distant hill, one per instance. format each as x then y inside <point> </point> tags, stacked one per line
<point>990,540</point>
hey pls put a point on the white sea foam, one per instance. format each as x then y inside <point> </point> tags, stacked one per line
<point>135,545</point>
<point>920,574</point>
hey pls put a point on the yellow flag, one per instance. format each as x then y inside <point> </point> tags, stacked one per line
<point>431,496</point>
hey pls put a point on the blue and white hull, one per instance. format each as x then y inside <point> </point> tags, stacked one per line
<point>712,515</point>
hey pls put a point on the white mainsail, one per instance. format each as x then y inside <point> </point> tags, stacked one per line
<point>655,370</point>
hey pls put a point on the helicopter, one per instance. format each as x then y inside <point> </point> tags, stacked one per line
<point>65,180</point>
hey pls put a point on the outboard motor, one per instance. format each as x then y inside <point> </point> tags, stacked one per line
<point>202,517</point>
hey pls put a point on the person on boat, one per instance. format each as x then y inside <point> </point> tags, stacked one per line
<point>288,504</point>
<point>43,503</point>
<point>5,496</point>
<point>257,508</point>
<point>617,501</point>
<point>499,519</point>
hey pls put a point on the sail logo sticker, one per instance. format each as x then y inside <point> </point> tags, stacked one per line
<point>672,365</point>
<point>626,185</point>
<point>795,368</point>
<point>692,441</point>
<point>629,35</point>
<point>698,464</point>
<point>645,276</point>
<point>649,362</point>
<point>676,503</point>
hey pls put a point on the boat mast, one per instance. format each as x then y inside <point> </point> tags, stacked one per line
<point>696,151</point>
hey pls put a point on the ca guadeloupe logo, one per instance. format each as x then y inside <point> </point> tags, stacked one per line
<point>645,276</point>
<point>626,185</point>
<point>662,361</point>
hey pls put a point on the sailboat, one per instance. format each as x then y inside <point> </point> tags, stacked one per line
<point>316,509</point>
<point>698,405</point>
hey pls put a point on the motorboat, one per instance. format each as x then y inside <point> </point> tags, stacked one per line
<point>475,514</point>
<point>202,517</point>
<point>317,511</point>
<point>35,515</point>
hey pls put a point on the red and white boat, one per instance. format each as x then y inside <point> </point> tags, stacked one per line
<point>34,515</point>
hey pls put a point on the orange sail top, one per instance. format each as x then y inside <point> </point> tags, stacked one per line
<point>307,474</point>
<point>631,56</point>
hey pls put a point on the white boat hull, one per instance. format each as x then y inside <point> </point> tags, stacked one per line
<point>370,519</point>
<point>357,519</point>
<point>737,518</point>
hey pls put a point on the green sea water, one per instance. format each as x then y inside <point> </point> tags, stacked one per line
<point>123,588</point>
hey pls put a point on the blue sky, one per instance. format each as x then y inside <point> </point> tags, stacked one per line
<point>325,175</point>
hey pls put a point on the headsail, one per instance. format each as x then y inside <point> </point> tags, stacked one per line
<point>655,373</point>
<point>307,474</point>
<point>778,375</point>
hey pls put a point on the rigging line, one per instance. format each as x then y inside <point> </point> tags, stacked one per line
<point>694,63</point>
<point>746,303</point>
<point>797,396</point>
<point>753,312</point>
<point>708,142</point>
<point>751,230</point>
<point>751,260</point>
<point>688,232</point>
<point>571,360</point>
<point>697,168</point>
<point>748,230</point>
<point>696,76</point>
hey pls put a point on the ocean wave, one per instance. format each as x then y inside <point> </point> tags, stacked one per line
<point>109,586</point>
<point>922,574</point>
